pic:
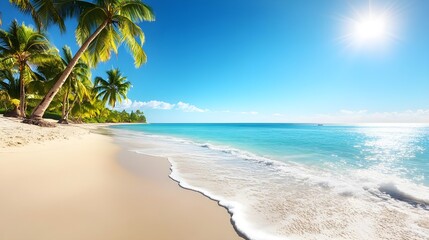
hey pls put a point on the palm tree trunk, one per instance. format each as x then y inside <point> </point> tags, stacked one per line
<point>63,110</point>
<point>21,92</point>
<point>65,103</point>
<point>66,110</point>
<point>70,108</point>
<point>38,111</point>
<point>66,116</point>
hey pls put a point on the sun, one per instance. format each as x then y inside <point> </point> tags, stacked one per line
<point>369,27</point>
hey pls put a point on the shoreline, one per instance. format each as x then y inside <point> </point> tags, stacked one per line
<point>231,220</point>
<point>83,185</point>
<point>271,199</point>
<point>207,208</point>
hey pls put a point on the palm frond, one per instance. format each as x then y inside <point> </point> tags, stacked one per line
<point>137,11</point>
<point>27,7</point>
<point>89,20</point>
<point>112,90</point>
<point>48,14</point>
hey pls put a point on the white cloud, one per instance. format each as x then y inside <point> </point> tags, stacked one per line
<point>341,116</point>
<point>125,104</point>
<point>160,105</point>
<point>186,107</point>
<point>128,104</point>
<point>155,105</point>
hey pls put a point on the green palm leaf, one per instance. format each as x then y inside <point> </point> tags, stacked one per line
<point>102,27</point>
<point>112,90</point>
<point>23,48</point>
<point>43,12</point>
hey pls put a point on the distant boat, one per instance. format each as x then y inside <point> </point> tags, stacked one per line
<point>319,124</point>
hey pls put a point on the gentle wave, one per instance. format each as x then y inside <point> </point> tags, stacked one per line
<point>224,173</point>
<point>396,188</point>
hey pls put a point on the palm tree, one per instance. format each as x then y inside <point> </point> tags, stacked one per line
<point>113,89</point>
<point>44,12</point>
<point>22,47</point>
<point>102,27</point>
<point>77,85</point>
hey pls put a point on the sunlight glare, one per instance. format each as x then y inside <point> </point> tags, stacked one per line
<point>369,27</point>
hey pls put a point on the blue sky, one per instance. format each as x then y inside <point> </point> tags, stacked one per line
<point>274,61</point>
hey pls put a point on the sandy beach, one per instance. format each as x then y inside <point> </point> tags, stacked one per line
<point>71,183</point>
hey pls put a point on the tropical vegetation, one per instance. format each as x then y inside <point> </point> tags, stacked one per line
<point>36,79</point>
<point>113,89</point>
<point>21,48</point>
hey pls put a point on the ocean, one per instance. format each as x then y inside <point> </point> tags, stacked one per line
<point>302,181</point>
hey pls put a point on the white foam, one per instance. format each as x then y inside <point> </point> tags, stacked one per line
<point>234,208</point>
<point>271,200</point>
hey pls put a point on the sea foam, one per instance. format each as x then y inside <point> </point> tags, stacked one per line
<point>269,199</point>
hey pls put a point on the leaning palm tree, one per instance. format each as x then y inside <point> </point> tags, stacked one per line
<point>22,47</point>
<point>102,27</point>
<point>77,85</point>
<point>113,89</point>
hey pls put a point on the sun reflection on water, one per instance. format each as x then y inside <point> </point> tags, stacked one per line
<point>388,149</point>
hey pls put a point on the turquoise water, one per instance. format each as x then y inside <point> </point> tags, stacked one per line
<point>402,151</point>
<point>326,178</point>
